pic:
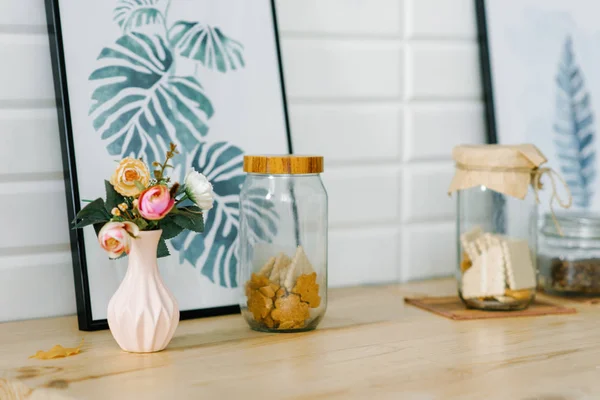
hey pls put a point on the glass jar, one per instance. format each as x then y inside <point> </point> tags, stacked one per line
<point>496,249</point>
<point>498,188</point>
<point>283,243</point>
<point>569,264</point>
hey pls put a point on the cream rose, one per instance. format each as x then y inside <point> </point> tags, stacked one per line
<point>129,171</point>
<point>199,190</point>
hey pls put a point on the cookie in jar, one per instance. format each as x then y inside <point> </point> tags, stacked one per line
<point>284,295</point>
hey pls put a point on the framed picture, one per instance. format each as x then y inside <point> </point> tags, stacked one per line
<point>540,64</point>
<point>131,76</point>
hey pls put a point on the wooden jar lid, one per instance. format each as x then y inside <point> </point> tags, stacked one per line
<point>283,164</point>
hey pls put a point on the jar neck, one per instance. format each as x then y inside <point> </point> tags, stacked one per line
<point>570,242</point>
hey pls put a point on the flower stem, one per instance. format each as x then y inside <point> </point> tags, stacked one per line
<point>129,215</point>
<point>184,197</point>
<point>159,175</point>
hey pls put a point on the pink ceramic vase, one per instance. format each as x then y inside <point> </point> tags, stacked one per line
<point>143,314</point>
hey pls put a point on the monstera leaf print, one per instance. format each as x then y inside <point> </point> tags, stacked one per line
<point>138,107</point>
<point>134,14</point>
<point>206,45</point>
<point>222,164</point>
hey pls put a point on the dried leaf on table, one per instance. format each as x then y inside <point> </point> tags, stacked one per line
<point>57,352</point>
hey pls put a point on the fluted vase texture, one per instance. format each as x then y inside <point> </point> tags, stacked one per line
<point>143,313</point>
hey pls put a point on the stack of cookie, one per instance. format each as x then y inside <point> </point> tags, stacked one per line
<point>495,266</point>
<point>282,292</point>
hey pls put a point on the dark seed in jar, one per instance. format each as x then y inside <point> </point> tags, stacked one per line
<point>581,276</point>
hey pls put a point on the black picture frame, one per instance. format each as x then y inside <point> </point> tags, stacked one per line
<point>82,289</point>
<point>486,72</point>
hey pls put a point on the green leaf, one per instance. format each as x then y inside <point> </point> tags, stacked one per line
<point>113,198</point>
<point>141,223</point>
<point>163,250</point>
<point>92,208</point>
<point>85,222</point>
<point>169,227</point>
<point>98,226</point>
<point>190,208</point>
<point>92,213</point>
<point>188,219</point>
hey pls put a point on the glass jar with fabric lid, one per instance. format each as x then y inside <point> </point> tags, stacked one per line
<point>498,191</point>
<point>283,243</point>
<point>569,263</point>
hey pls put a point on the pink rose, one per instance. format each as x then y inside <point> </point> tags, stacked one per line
<point>155,202</point>
<point>115,237</point>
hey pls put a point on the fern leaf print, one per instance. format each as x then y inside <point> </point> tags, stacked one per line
<point>141,102</point>
<point>574,128</point>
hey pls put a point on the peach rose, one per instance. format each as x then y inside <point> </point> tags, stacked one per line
<point>115,237</point>
<point>129,171</point>
<point>155,202</point>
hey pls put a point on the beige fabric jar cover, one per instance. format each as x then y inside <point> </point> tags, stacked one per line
<point>497,271</point>
<point>507,169</point>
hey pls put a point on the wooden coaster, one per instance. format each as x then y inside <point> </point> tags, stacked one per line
<point>452,307</point>
<point>575,299</point>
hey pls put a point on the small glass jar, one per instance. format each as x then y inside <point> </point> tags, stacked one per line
<point>498,190</point>
<point>283,243</point>
<point>569,264</point>
<point>496,248</point>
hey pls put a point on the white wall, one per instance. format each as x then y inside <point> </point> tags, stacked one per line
<point>382,88</point>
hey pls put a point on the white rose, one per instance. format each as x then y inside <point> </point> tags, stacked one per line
<point>199,190</point>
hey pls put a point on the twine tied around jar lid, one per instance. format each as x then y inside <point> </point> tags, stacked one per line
<point>509,170</point>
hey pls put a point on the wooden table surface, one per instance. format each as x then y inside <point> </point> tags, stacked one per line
<point>370,345</point>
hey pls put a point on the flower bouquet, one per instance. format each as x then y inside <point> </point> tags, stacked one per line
<point>141,212</point>
<point>136,202</point>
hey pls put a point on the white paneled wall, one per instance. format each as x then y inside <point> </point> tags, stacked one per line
<point>36,277</point>
<point>382,88</point>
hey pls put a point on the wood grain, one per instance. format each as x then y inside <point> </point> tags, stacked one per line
<point>279,165</point>
<point>370,345</point>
